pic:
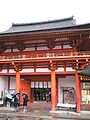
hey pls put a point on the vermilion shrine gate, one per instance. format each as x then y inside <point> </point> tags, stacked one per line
<point>43,52</point>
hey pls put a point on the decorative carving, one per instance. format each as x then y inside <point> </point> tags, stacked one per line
<point>77,66</point>
<point>86,61</point>
<point>76,40</point>
<point>50,43</point>
<point>20,45</point>
<point>17,67</point>
<point>1,66</point>
<point>2,47</point>
<point>53,66</point>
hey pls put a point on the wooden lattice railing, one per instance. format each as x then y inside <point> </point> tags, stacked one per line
<point>46,55</point>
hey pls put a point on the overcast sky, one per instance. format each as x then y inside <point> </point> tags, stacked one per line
<point>27,11</point>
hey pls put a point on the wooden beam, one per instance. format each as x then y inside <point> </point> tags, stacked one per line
<point>38,73</point>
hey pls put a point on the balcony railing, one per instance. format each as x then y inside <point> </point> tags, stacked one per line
<point>45,55</point>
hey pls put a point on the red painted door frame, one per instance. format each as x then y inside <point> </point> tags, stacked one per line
<point>25,87</point>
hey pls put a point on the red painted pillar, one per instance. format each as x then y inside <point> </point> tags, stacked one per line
<point>53,90</point>
<point>78,95</point>
<point>17,81</point>
<point>8,83</point>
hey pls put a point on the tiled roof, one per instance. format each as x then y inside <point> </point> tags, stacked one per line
<point>85,71</point>
<point>39,26</point>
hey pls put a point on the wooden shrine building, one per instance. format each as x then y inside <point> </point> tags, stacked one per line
<point>42,58</point>
<point>84,75</point>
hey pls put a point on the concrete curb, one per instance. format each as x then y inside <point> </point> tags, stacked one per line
<point>70,115</point>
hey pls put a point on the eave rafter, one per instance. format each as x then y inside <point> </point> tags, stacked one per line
<point>20,45</point>
<point>40,36</point>
<point>50,39</point>
<point>2,47</point>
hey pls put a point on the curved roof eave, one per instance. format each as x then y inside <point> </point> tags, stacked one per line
<point>68,30</point>
<point>85,71</point>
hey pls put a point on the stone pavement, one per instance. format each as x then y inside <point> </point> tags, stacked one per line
<point>42,113</point>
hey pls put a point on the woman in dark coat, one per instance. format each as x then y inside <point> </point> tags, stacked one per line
<point>25,99</point>
<point>16,103</point>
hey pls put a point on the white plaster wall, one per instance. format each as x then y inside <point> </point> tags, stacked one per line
<point>12,71</point>
<point>27,70</point>
<point>69,81</point>
<point>42,48</point>
<point>30,49</point>
<point>15,50</point>
<point>43,70</point>
<point>4,71</point>
<point>8,50</point>
<point>60,70</point>
<point>12,82</point>
<point>69,69</point>
<point>67,46</point>
<point>57,47</point>
<point>3,85</point>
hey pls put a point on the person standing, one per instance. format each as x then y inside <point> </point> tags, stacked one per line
<point>8,98</point>
<point>25,99</point>
<point>16,103</point>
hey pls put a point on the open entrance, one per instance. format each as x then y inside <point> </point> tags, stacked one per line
<point>37,88</point>
<point>41,91</point>
<point>42,94</point>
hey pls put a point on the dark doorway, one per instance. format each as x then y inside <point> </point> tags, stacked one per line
<point>42,94</point>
